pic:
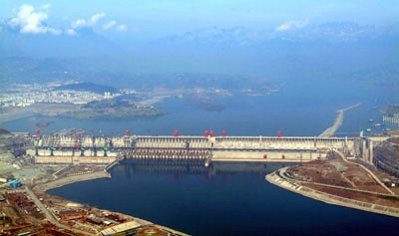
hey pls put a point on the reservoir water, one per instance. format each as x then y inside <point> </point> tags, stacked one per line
<point>232,199</point>
<point>299,108</point>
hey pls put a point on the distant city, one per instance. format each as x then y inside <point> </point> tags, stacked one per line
<point>24,95</point>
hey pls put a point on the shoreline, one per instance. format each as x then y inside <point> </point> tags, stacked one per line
<point>12,116</point>
<point>57,111</point>
<point>42,188</point>
<point>338,121</point>
<point>57,183</point>
<point>277,179</point>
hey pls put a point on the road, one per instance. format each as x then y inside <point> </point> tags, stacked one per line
<point>368,171</point>
<point>50,216</point>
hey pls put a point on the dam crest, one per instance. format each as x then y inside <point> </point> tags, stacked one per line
<point>60,148</point>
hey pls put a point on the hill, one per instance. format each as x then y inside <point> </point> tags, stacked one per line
<point>4,132</point>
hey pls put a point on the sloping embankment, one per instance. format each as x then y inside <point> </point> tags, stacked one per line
<point>278,179</point>
<point>71,179</point>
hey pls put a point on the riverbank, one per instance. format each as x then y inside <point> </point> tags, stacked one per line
<point>280,179</point>
<point>15,115</point>
<point>42,188</point>
<point>109,109</point>
<point>38,109</point>
<point>55,206</point>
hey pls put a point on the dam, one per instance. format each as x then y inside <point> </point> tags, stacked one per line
<point>86,149</point>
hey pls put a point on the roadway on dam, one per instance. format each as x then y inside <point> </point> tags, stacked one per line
<point>206,149</point>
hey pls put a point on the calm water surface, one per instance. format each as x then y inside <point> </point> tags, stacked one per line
<point>232,199</point>
<point>300,108</point>
<point>229,199</point>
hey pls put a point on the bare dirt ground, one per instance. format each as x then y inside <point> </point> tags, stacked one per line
<point>346,179</point>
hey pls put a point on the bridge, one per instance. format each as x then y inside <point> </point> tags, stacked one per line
<point>61,148</point>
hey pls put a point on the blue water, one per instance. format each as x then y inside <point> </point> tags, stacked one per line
<point>228,200</point>
<point>226,203</point>
<point>299,108</point>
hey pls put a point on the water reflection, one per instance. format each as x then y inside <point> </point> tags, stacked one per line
<point>192,167</point>
<point>224,199</point>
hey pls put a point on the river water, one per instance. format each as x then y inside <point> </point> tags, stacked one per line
<point>299,108</point>
<point>232,199</point>
<point>229,199</point>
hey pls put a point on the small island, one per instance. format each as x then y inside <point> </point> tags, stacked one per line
<point>43,123</point>
<point>112,108</point>
<point>205,102</point>
<point>87,100</point>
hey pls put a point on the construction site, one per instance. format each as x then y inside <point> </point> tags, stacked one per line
<point>29,210</point>
<point>346,181</point>
<point>26,208</point>
<point>351,172</point>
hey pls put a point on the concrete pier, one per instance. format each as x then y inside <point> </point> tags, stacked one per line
<point>338,121</point>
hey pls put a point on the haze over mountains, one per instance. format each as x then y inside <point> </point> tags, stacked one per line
<point>86,41</point>
<point>295,50</point>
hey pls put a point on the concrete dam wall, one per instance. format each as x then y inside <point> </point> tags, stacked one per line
<point>207,149</point>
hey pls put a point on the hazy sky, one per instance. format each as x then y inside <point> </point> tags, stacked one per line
<point>161,17</point>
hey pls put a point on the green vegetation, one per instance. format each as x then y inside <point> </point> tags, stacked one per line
<point>108,103</point>
<point>4,132</point>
